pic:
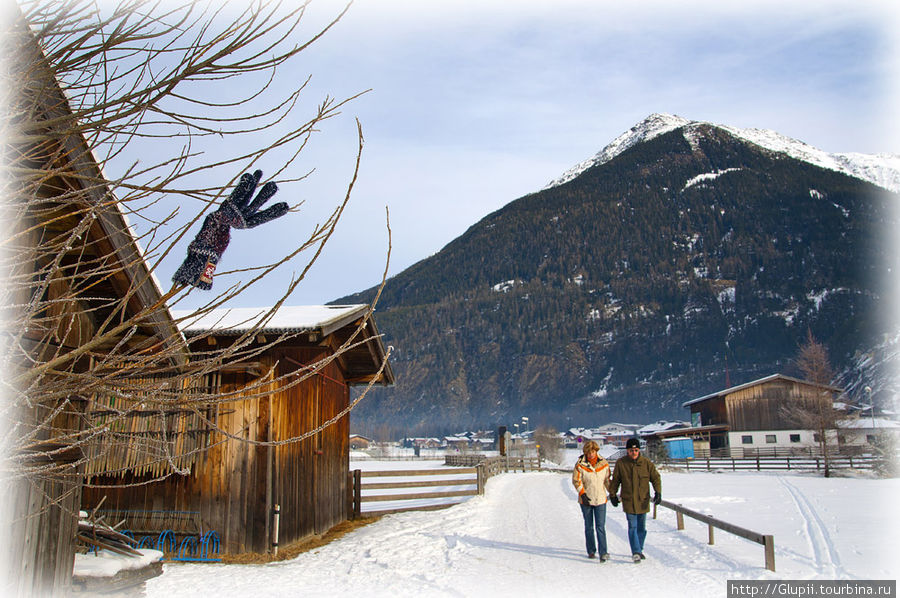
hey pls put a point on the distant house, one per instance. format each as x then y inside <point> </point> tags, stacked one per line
<point>660,426</point>
<point>864,431</point>
<point>750,416</point>
<point>272,397</point>
<point>359,442</point>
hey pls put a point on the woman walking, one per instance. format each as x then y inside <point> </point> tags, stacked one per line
<point>591,479</point>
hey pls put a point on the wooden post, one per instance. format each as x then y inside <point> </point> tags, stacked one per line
<point>712,539</point>
<point>480,478</point>
<point>357,493</point>
<point>769,545</point>
<point>679,517</point>
<point>275,524</point>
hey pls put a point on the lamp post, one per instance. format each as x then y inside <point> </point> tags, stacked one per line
<point>868,390</point>
<point>525,422</point>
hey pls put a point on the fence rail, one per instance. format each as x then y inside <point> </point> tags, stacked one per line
<point>760,463</point>
<point>767,541</point>
<point>466,470</point>
<point>360,488</point>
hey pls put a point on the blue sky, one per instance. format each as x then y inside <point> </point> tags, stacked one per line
<point>476,103</point>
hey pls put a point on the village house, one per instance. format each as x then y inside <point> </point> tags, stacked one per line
<point>750,418</point>
<point>358,442</point>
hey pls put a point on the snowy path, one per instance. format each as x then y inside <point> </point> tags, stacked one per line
<point>524,538</point>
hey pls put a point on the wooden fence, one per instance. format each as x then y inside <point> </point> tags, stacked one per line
<point>767,541</point>
<point>432,488</point>
<point>430,484</point>
<point>760,463</point>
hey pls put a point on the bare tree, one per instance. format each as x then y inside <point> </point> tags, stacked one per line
<point>549,443</point>
<point>88,345</point>
<point>815,412</point>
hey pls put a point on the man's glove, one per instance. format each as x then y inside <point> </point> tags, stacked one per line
<point>583,499</point>
<point>614,500</point>
<point>657,498</point>
<point>237,211</point>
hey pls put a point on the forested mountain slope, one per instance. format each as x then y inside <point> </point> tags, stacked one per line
<point>631,287</point>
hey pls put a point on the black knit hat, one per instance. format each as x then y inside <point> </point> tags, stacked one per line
<point>633,442</point>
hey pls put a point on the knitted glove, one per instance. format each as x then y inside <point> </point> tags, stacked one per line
<point>657,498</point>
<point>237,211</point>
<point>614,500</point>
<point>583,499</point>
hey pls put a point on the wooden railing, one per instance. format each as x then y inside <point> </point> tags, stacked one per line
<point>425,479</point>
<point>767,541</point>
<point>495,465</point>
<point>467,470</point>
<point>760,463</point>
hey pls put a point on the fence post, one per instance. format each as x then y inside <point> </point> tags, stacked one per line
<point>277,517</point>
<point>712,539</point>
<point>479,474</point>
<point>769,544</point>
<point>679,518</point>
<point>357,493</point>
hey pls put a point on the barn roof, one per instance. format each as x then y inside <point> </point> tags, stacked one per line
<point>773,377</point>
<point>73,186</point>
<point>324,319</point>
<point>318,322</point>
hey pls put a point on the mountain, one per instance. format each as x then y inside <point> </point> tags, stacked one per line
<point>683,257</point>
<point>880,169</point>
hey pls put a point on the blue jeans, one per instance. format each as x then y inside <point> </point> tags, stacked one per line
<point>637,531</point>
<point>594,521</point>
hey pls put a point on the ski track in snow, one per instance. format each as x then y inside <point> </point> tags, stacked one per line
<point>820,541</point>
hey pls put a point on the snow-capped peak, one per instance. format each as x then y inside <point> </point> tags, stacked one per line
<point>879,169</point>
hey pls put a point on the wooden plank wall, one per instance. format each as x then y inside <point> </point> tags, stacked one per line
<point>41,505</point>
<point>759,407</point>
<point>712,411</point>
<point>310,477</point>
<point>236,484</point>
<point>40,541</point>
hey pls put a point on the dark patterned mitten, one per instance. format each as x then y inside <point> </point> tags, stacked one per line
<point>237,211</point>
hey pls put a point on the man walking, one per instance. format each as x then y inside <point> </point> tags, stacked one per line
<point>634,473</point>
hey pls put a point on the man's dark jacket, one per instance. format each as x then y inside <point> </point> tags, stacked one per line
<point>635,476</point>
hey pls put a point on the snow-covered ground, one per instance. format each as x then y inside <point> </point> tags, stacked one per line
<point>524,538</point>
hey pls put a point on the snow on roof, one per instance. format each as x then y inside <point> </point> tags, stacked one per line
<point>294,318</point>
<point>863,423</point>
<point>660,426</point>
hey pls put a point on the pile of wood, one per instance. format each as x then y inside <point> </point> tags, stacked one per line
<point>94,532</point>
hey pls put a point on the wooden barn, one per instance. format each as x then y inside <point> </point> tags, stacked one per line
<point>751,415</point>
<point>281,429</point>
<point>71,269</point>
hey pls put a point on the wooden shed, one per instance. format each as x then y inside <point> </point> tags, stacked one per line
<point>282,426</point>
<point>71,266</point>
<point>752,414</point>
